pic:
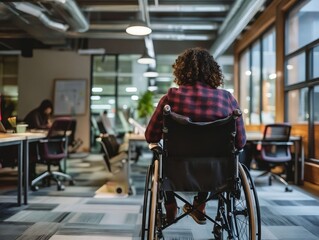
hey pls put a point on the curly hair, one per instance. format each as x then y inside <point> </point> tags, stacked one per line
<point>197,65</point>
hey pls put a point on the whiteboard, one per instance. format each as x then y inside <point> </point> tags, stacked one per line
<point>69,96</point>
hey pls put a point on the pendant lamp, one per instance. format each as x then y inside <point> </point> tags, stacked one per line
<point>146,58</point>
<point>138,28</point>
<point>150,72</point>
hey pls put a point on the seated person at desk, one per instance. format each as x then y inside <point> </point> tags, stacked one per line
<point>40,117</point>
<point>198,76</point>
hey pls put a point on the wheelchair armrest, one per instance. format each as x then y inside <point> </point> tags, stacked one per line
<point>156,149</point>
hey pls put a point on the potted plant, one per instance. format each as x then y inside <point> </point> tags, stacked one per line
<point>145,106</point>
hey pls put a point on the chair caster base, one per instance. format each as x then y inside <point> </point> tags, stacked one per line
<point>34,188</point>
<point>288,189</point>
<point>61,187</point>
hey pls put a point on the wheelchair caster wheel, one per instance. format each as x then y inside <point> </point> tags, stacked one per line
<point>288,189</point>
<point>61,187</point>
<point>71,183</point>
<point>34,188</point>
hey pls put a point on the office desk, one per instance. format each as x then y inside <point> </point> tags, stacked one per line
<point>29,137</point>
<point>131,139</point>
<point>299,153</point>
<point>22,140</point>
<point>11,140</point>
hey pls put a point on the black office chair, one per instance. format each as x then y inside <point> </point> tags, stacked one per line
<point>274,150</point>
<point>112,152</point>
<point>73,143</point>
<point>52,150</point>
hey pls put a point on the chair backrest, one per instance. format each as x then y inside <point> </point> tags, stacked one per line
<point>54,147</point>
<point>61,127</point>
<point>275,145</point>
<point>111,144</point>
<point>101,127</point>
<point>198,156</point>
<point>277,132</point>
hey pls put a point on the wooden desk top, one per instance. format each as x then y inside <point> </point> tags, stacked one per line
<point>10,137</point>
<point>257,136</point>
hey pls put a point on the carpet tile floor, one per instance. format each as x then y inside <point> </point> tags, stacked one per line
<point>78,213</point>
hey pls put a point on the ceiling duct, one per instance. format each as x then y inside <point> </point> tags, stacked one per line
<point>71,13</point>
<point>37,12</point>
<point>39,18</point>
<point>65,10</point>
<point>240,18</point>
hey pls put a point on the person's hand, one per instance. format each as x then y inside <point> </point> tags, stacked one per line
<point>49,124</point>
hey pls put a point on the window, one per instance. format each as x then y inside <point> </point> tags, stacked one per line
<point>255,76</point>
<point>258,80</point>
<point>295,69</point>
<point>315,63</point>
<point>302,25</point>
<point>9,88</point>
<point>269,78</point>
<point>302,60</point>
<point>297,106</point>
<point>245,73</point>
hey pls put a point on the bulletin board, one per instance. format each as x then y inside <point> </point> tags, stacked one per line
<point>69,96</point>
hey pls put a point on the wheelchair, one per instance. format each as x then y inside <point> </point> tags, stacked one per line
<point>201,157</point>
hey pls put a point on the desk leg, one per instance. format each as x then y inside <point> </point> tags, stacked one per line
<point>26,170</point>
<point>20,171</point>
<point>299,154</point>
<point>129,156</point>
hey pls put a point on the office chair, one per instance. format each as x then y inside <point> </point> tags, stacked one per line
<point>101,127</point>
<point>111,153</point>
<point>275,151</point>
<point>73,143</point>
<point>52,150</point>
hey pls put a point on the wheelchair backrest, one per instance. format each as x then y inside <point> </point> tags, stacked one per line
<point>198,156</point>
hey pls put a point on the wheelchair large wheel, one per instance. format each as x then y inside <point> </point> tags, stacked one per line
<point>243,217</point>
<point>236,212</point>
<point>146,207</point>
<point>150,211</point>
<point>255,202</point>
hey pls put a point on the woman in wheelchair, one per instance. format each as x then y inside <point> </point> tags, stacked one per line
<point>198,97</point>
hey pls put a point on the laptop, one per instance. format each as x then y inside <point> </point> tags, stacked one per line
<point>2,128</point>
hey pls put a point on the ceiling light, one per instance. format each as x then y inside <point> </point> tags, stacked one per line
<point>95,98</point>
<point>138,28</point>
<point>152,88</point>
<point>131,89</point>
<point>97,89</point>
<point>146,58</point>
<point>150,72</point>
<point>94,51</point>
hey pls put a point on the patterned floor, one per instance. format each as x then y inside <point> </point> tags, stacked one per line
<point>79,213</point>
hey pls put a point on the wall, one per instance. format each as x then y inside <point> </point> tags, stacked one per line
<point>36,82</point>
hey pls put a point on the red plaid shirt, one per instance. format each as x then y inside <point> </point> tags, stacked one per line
<point>200,103</point>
